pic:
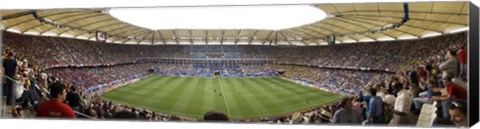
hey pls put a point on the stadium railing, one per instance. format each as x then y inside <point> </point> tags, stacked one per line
<point>84,115</point>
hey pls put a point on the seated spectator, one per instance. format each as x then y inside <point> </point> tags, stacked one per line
<point>215,116</point>
<point>124,115</point>
<point>454,92</point>
<point>54,107</point>
<point>21,91</point>
<point>458,113</point>
<point>346,115</point>
<point>426,97</point>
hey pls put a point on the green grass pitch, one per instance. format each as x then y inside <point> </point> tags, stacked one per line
<point>242,98</point>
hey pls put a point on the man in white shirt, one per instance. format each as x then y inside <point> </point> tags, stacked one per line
<point>20,93</point>
<point>401,108</point>
<point>18,87</point>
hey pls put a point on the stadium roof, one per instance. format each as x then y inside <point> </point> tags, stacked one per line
<point>349,22</point>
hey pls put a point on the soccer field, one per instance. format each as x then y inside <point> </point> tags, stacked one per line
<point>242,98</point>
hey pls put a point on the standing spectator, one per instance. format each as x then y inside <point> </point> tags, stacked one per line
<point>462,58</point>
<point>374,110</point>
<point>346,115</point>
<point>54,107</point>
<point>401,108</point>
<point>10,68</point>
<point>450,66</point>
<point>73,99</point>
<point>454,92</point>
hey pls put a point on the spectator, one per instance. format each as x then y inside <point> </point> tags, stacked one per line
<point>454,92</point>
<point>124,115</point>
<point>375,107</point>
<point>54,107</point>
<point>73,99</point>
<point>10,68</point>
<point>21,91</point>
<point>450,66</point>
<point>426,97</point>
<point>459,113</point>
<point>346,115</point>
<point>215,116</point>
<point>401,108</point>
<point>462,58</point>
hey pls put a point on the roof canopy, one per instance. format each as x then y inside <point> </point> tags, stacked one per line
<point>352,22</point>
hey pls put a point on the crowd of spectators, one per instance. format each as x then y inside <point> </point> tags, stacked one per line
<point>209,70</point>
<point>86,77</point>
<point>427,69</point>
<point>348,80</point>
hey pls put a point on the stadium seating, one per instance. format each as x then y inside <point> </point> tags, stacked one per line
<point>403,57</point>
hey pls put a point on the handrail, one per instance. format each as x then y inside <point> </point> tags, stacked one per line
<point>84,115</point>
<point>11,79</point>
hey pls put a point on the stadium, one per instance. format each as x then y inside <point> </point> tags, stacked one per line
<point>361,64</point>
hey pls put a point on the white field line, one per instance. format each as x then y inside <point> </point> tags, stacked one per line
<point>225,99</point>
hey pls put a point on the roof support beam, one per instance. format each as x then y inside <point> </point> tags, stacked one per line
<point>24,13</point>
<point>107,25</point>
<point>251,38</point>
<point>41,24</point>
<point>98,27</point>
<point>161,36</point>
<point>359,25</point>
<point>376,25</point>
<point>53,27</point>
<point>369,21</point>
<point>143,38</point>
<point>132,31</point>
<point>153,36</point>
<point>317,26</point>
<point>176,37</point>
<point>438,31</point>
<point>221,40</point>
<point>8,27</point>
<point>286,39</point>
<point>136,31</point>
<point>401,11</point>
<point>120,28</point>
<point>303,32</point>
<point>410,19</point>
<point>237,36</point>
<point>340,28</point>
<point>96,22</point>
<point>191,36</point>
<point>304,27</point>
<point>334,32</point>
<point>74,20</point>
<point>396,29</point>
<point>276,38</point>
<point>206,36</point>
<point>268,36</point>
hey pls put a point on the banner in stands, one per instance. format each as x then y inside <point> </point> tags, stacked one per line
<point>105,88</point>
<point>324,87</point>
